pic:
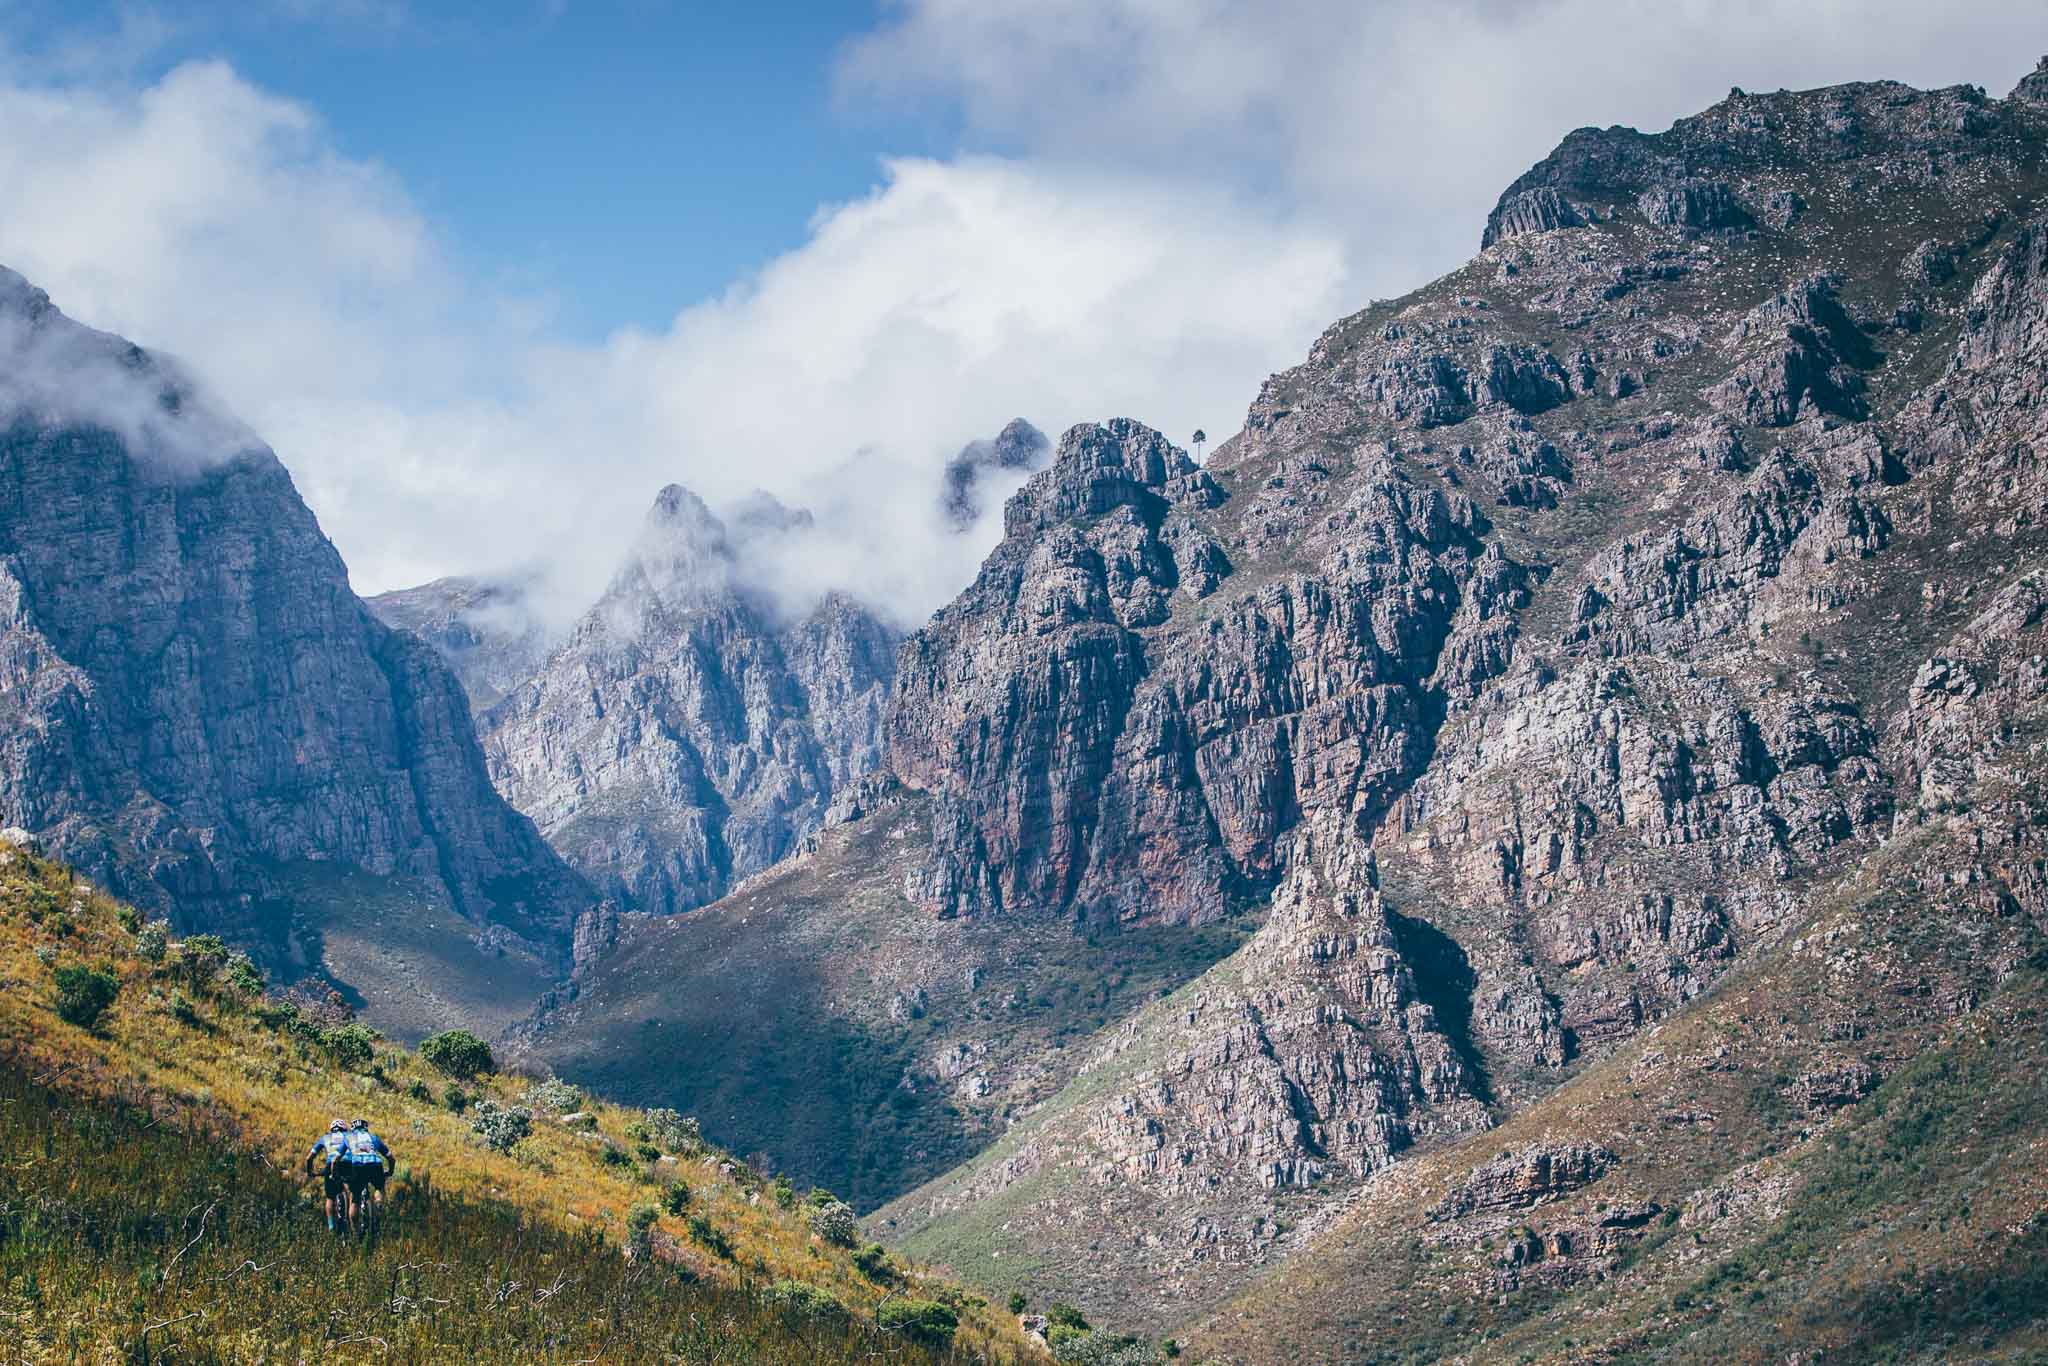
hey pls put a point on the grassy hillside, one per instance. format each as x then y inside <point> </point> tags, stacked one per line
<point>150,1206</point>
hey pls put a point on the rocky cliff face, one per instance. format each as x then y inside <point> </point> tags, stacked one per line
<point>486,629</point>
<point>684,737</point>
<point>195,701</point>
<point>1583,585</point>
<point>1018,450</point>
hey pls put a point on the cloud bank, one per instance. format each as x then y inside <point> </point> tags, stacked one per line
<point>1186,194</point>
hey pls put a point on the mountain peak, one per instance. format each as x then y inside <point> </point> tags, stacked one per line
<point>1018,447</point>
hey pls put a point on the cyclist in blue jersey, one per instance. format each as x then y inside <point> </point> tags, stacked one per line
<point>366,1163</point>
<point>328,1150</point>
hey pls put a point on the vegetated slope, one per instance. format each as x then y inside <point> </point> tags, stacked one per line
<point>684,735</point>
<point>817,1018</point>
<point>1595,585</point>
<point>151,1189</point>
<point>197,709</point>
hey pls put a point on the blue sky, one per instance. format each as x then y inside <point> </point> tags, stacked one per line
<point>488,277</point>
<point>628,157</point>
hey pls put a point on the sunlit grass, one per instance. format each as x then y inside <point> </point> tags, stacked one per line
<point>183,1115</point>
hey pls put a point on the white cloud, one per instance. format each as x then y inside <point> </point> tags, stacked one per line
<point>435,429</point>
<point>1397,124</point>
<point>1192,189</point>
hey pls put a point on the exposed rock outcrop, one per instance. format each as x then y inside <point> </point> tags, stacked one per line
<point>194,700</point>
<point>1581,584</point>
<point>684,736</point>
<point>487,629</point>
<point>1018,450</point>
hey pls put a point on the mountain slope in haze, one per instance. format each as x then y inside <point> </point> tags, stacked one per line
<point>684,736</point>
<point>487,629</point>
<point>157,1208</point>
<point>1585,584</point>
<point>202,715</point>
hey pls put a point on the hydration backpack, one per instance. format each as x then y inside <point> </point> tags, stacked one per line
<point>362,1147</point>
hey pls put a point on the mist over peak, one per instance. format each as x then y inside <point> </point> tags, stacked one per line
<point>56,372</point>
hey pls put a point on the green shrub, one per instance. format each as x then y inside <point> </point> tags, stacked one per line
<point>711,1238</point>
<point>552,1096</point>
<point>500,1128</point>
<point>614,1157</point>
<point>676,1198</point>
<point>784,1193</point>
<point>872,1262</point>
<point>1019,1301</point>
<point>924,1321</point>
<point>640,1222</point>
<point>801,1299</point>
<point>458,1053</point>
<point>675,1133</point>
<point>243,976</point>
<point>835,1223</point>
<point>1064,1338</point>
<point>201,958</point>
<point>646,1152</point>
<point>350,1045</point>
<point>1062,1313</point>
<point>153,941</point>
<point>419,1092</point>
<point>456,1099</point>
<point>83,995</point>
<point>129,918</point>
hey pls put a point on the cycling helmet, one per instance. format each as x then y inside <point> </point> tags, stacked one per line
<point>340,1126</point>
<point>360,1124</point>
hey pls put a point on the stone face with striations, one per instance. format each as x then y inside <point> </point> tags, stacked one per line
<point>487,630</point>
<point>1019,449</point>
<point>1582,586</point>
<point>193,697</point>
<point>684,736</point>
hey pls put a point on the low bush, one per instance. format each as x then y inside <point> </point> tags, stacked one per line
<point>350,1045</point>
<point>801,1299</point>
<point>153,941</point>
<point>458,1053</point>
<point>922,1321</point>
<point>84,994</point>
<point>835,1223</point>
<point>709,1236</point>
<point>674,1132</point>
<point>552,1096</point>
<point>500,1128</point>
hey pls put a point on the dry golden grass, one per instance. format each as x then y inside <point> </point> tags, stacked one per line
<point>199,1056</point>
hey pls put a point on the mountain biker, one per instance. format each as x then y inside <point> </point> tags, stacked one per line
<point>329,1148</point>
<point>365,1165</point>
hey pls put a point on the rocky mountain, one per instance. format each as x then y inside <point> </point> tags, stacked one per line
<point>201,715</point>
<point>1019,449</point>
<point>1593,586</point>
<point>684,735</point>
<point>488,630</point>
<point>1573,662</point>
